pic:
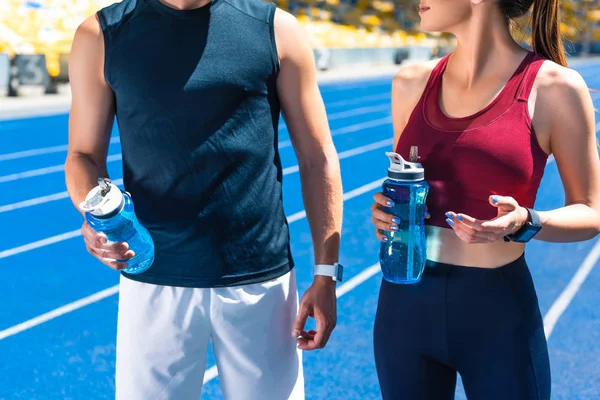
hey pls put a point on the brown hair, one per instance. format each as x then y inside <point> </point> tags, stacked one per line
<point>545,32</point>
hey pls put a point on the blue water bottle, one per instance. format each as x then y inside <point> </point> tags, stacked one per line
<point>402,257</point>
<point>110,211</point>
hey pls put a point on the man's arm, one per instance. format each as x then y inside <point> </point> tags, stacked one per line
<point>92,112</point>
<point>306,118</point>
<point>90,125</point>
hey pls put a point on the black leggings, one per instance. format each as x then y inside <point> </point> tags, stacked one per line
<point>482,323</point>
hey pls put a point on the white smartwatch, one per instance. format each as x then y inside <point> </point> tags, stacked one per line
<point>335,271</point>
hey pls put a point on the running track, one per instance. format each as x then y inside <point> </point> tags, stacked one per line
<point>59,305</point>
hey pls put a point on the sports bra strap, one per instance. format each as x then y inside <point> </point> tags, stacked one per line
<point>528,77</point>
<point>439,68</point>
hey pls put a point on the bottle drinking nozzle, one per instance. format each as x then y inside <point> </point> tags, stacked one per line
<point>414,154</point>
<point>104,200</point>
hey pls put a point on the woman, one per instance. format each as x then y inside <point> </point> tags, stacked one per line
<point>485,119</point>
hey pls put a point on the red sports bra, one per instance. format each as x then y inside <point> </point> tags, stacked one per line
<point>494,151</point>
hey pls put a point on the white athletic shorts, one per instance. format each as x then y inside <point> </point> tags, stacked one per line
<point>163,334</point>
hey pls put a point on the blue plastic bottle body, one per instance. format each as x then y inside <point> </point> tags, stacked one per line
<point>398,264</point>
<point>125,227</point>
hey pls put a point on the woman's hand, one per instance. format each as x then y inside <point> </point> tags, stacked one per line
<point>384,221</point>
<point>510,218</point>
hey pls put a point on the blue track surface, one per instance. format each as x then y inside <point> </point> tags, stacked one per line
<point>72,355</point>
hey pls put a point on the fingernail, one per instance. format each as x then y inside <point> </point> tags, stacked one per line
<point>393,228</point>
<point>494,199</point>
<point>448,215</point>
<point>390,203</point>
<point>103,240</point>
<point>295,333</point>
<point>459,217</point>
<point>450,222</point>
<point>396,221</point>
<point>384,239</point>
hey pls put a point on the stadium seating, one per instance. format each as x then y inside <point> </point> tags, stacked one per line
<point>47,26</point>
<point>43,26</point>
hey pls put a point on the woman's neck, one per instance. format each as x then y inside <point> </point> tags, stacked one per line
<point>485,47</point>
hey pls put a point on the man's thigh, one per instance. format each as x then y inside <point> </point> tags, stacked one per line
<point>257,357</point>
<point>162,339</point>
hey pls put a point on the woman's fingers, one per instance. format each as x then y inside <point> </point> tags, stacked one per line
<point>469,232</point>
<point>383,200</point>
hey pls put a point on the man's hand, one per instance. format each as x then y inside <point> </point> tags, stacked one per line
<point>107,253</point>
<point>319,302</point>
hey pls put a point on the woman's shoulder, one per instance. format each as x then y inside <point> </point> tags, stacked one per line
<point>556,83</point>
<point>413,77</point>
<point>563,102</point>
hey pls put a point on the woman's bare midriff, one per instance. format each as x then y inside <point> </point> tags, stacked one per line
<point>444,246</point>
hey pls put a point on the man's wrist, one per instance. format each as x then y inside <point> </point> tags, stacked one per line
<point>333,272</point>
<point>321,280</point>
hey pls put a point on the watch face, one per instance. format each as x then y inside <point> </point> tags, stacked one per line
<point>528,233</point>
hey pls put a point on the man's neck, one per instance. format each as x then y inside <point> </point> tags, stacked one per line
<point>185,4</point>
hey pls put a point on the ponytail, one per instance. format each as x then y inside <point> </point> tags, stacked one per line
<point>546,37</point>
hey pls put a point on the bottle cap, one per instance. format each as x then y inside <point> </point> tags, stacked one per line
<point>103,201</point>
<point>401,170</point>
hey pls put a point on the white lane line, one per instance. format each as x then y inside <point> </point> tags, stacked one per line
<point>114,289</point>
<point>359,111</point>
<point>344,154</point>
<point>286,171</point>
<point>117,157</point>
<point>116,139</point>
<point>41,200</point>
<point>34,201</point>
<point>348,129</point>
<point>31,173</point>
<point>40,319</point>
<point>44,150</point>
<point>562,302</point>
<point>210,374</point>
<point>353,112</point>
<point>355,281</point>
<point>366,148</point>
<point>347,196</point>
<point>46,170</point>
<point>39,243</point>
<point>69,235</point>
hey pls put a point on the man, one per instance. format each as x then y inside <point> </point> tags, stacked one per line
<point>197,88</point>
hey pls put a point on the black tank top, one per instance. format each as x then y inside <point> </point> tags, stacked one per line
<point>197,112</point>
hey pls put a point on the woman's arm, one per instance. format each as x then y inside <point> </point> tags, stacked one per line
<point>564,109</point>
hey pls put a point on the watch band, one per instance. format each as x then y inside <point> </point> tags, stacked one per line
<point>532,226</point>
<point>535,217</point>
<point>335,271</point>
